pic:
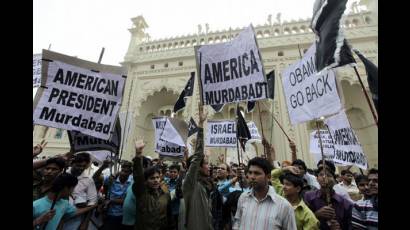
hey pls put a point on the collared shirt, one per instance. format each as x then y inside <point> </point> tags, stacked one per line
<point>272,212</point>
<point>305,218</point>
<point>311,180</point>
<point>342,207</point>
<point>364,215</point>
<point>84,191</point>
<point>351,189</point>
<point>117,191</point>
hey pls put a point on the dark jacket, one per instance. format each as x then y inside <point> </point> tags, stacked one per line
<point>153,207</point>
<point>197,202</point>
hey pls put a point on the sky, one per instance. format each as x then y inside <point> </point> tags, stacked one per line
<point>82,27</point>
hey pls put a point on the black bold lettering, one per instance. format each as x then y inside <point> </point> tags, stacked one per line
<point>254,64</point>
<point>233,65</point>
<point>208,78</point>
<point>54,93</point>
<point>217,72</point>
<point>81,80</point>
<point>47,114</point>
<point>244,92</point>
<point>63,97</point>
<point>246,71</point>
<point>59,76</point>
<point>226,70</point>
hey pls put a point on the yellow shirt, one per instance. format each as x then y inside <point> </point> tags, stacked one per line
<point>305,218</point>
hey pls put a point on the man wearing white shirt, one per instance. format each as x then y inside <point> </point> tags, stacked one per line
<point>349,184</point>
<point>261,208</point>
<point>85,193</point>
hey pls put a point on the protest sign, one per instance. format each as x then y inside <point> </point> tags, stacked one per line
<point>348,150</point>
<point>78,95</point>
<point>309,95</point>
<point>163,147</point>
<point>81,142</point>
<point>175,131</point>
<point>221,133</point>
<point>232,71</point>
<point>327,143</point>
<point>254,132</point>
<point>36,70</point>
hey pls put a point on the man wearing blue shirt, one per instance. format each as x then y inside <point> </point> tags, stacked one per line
<point>43,215</point>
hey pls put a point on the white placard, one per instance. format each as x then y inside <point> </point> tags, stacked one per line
<point>163,147</point>
<point>79,99</point>
<point>221,133</point>
<point>348,150</point>
<point>36,70</point>
<point>327,143</point>
<point>232,71</point>
<point>254,132</point>
<point>309,95</point>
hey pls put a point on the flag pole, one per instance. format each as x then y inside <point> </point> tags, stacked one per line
<point>237,138</point>
<point>260,119</point>
<point>323,161</point>
<point>366,95</point>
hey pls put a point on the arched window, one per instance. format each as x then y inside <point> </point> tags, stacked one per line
<point>280,53</point>
<point>59,134</point>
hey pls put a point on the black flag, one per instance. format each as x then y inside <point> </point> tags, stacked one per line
<point>242,133</point>
<point>192,127</point>
<point>332,49</point>
<point>270,78</point>
<point>217,108</point>
<point>187,92</point>
<point>372,77</point>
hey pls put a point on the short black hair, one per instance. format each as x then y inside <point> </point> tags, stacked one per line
<point>175,166</point>
<point>329,169</point>
<point>126,164</point>
<point>360,178</point>
<point>346,171</point>
<point>63,180</point>
<point>329,165</point>
<point>81,157</point>
<point>373,171</point>
<point>297,181</point>
<point>151,171</point>
<point>301,163</point>
<point>60,162</point>
<point>234,165</point>
<point>262,163</point>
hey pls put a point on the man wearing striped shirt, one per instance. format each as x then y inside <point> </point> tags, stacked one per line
<point>262,208</point>
<point>365,214</point>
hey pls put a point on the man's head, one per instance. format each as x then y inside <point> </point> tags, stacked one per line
<point>155,161</point>
<point>362,184</point>
<point>152,177</point>
<point>259,173</point>
<point>292,184</point>
<point>204,165</point>
<point>54,166</point>
<point>174,171</point>
<point>222,171</point>
<point>80,163</point>
<point>126,170</point>
<point>326,175</point>
<point>373,176</point>
<point>64,185</point>
<point>234,168</point>
<point>347,176</point>
<point>300,165</point>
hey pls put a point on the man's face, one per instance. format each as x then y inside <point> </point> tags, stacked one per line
<point>205,168</point>
<point>78,168</point>
<point>222,172</point>
<point>363,187</point>
<point>373,184</point>
<point>257,178</point>
<point>301,169</point>
<point>173,174</point>
<point>153,181</point>
<point>325,179</point>
<point>289,189</point>
<point>348,177</point>
<point>50,172</point>
<point>234,169</point>
<point>124,174</point>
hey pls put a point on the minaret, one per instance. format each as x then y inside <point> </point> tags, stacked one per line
<point>138,36</point>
